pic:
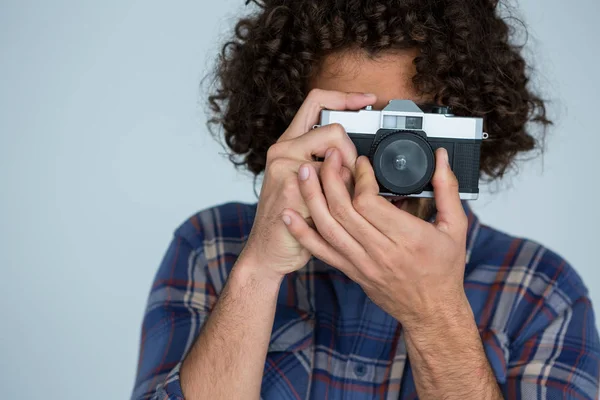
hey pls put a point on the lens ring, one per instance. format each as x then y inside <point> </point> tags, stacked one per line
<point>409,151</point>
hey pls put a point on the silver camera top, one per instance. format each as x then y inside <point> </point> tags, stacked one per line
<point>406,115</point>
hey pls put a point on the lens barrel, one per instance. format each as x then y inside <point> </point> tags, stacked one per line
<point>403,162</point>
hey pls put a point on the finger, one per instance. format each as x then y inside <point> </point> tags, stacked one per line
<point>383,215</point>
<point>283,166</point>
<point>451,215</point>
<point>348,180</point>
<point>340,207</point>
<point>365,181</point>
<point>317,100</point>
<point>283,172</point>
<point>327,226</point>
<point>314,243</point>
<point>316,143</point>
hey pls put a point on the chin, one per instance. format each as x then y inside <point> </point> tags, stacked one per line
<point>419,207</point>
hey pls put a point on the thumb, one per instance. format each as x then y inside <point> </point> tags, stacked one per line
<point>451,216</point>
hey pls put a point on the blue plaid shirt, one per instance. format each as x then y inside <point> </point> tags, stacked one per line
<point>330,341</point>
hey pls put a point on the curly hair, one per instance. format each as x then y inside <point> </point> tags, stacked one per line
<point>466,60</point>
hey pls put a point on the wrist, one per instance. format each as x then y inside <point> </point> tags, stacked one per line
<point>248,270</point>
<point>447,354</point>
<point>452,315</point>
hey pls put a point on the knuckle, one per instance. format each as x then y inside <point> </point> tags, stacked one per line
<point>273,152</point>
<point>338,212</point>
<point>360,204</point>
<point>314,94</point>
<point>275,167</point>
<point>437,179</point>
<point>310,196</point>
<point>370,273</point>
<point>338,131</point>
<point>277,162</point>
<point>328,233</point>
<point>343,142</point>
<point>271,174</point>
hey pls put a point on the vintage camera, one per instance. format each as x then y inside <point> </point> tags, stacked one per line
<point>400,142</point>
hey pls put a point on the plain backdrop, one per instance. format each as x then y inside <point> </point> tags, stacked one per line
<point>104,152</point>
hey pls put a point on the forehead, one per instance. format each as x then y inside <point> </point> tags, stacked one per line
<point>388,75</point>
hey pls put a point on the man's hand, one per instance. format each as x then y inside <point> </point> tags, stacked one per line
<point>233,343</point>
<point>270,247</point>
<point>411,268</point>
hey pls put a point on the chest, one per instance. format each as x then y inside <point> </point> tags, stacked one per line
<point>329,341</point>
<point>328,351</point>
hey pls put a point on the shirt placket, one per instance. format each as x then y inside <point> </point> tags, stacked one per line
<point>365,362</point>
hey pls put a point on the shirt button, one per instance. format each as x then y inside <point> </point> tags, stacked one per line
<point>360,369</point>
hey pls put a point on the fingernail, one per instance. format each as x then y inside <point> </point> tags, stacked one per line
<point>369,95</point>
<point>303,173</point>
<point>328,153</point>
<point>286,219</point>
<point>446,157</point>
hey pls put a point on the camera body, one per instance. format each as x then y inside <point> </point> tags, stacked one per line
<point>401,140</point>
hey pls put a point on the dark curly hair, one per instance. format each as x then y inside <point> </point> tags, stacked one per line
<point>466,61</point>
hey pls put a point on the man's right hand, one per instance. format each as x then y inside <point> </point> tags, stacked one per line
<point>270,248</point>
<point>233,343</point>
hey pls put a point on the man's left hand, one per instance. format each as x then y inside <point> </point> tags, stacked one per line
<point>411,268</point>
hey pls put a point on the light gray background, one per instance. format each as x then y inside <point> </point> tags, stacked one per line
<point>103,152</point>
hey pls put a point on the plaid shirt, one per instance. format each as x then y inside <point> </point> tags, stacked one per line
<point>330,341</point>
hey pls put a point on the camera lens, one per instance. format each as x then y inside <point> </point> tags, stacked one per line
<point>403,163</point>
<point>400,162</point>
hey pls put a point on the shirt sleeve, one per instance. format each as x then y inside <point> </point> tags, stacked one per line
<point>179,303</point>
<point>560,361</point>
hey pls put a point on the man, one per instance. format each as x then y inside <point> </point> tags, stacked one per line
<point>324,289</point>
